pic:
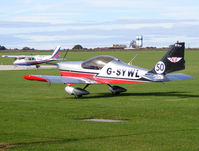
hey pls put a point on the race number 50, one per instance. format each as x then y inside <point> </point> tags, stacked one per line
<point>160,67</point>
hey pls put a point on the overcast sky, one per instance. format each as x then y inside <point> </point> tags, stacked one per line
<point>43,24</point>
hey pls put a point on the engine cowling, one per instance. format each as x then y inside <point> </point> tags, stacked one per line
<point>77,92</point>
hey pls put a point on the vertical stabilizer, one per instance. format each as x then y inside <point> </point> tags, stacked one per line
<point>172,61</point>
<point>56,53</point>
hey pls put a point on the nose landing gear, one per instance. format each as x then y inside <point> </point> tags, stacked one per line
<point>77,92</point>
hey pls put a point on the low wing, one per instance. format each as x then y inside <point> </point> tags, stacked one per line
<point>15,56</point>
<point>19,56</point>
<point>167,77</point>
<point>59,79</point>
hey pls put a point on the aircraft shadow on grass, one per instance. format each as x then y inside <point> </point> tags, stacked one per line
<point>179,94</point>
<point>54,140</point>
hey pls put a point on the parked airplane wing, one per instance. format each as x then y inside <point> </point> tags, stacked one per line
<point>14,56</point>
<point>167,77</point>
<point>59,79</point>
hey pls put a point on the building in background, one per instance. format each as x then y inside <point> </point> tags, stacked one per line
<point>118,46</point>
<point>138,43</point>
<point>134,44</point>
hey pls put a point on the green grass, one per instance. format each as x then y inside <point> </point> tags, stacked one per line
<point>35,116</point>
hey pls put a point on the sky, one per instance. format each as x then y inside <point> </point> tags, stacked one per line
<point>44,24</point>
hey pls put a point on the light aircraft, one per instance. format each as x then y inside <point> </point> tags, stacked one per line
<point>110,70</point>
<point>28,60</point>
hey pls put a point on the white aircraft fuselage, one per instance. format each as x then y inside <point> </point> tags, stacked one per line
<point>27,61</point>
<point>114,71</point>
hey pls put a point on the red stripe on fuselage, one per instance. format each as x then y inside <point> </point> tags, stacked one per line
<point>100,80</point>
<point>114,81</point>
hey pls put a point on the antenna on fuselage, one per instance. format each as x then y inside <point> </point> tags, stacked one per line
<point>67,50</point>
<point>130,62</point>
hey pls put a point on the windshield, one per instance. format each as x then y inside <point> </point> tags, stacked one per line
<point>97,63</point>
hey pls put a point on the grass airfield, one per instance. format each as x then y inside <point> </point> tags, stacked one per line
<point>36,116</point>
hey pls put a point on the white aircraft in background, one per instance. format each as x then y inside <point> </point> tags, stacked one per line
<point>110,70</point>
<point>29,60</point>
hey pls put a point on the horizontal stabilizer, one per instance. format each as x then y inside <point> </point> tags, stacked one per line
<point>59,79</point>
<point>167,77</point>
<point>178,76</point>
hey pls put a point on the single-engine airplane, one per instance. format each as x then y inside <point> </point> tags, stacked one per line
<point>28,60</point>
<point>110,70</point>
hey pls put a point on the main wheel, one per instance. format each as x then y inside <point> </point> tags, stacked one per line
<point>116,93</point>
<point>78,96</point>
<point>37,66</point>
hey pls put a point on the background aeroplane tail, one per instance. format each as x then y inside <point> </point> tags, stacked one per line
<point>172,61</point>
<point>56,53</point>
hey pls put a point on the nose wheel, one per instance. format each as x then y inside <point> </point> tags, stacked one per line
<point>77,92</point>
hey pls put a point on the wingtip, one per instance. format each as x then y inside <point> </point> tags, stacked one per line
<point>32,77</point>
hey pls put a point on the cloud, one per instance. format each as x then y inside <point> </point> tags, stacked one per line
<point>165,41</point>
<point>123,3</point>
<point>43,38</point>
<point>52,18</point>
<point>156,32</point>
<point>178,11</point>
<point>98,23</point>
<point>34,27</point>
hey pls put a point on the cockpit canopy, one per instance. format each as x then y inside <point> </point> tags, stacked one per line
<point>98,62</point>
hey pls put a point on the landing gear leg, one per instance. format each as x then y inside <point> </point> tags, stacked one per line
<point>86,86</point>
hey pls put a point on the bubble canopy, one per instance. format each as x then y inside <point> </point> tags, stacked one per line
<point>97,63</point>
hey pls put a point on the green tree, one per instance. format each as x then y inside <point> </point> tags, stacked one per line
<point>2,48</point>
<point>27,48</point>
<point>79,47</point>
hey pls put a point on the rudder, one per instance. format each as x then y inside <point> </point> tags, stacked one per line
<point>172,61</point>
<point>56,53</point>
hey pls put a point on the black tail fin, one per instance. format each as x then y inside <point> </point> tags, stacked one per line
<point>172,61</point>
